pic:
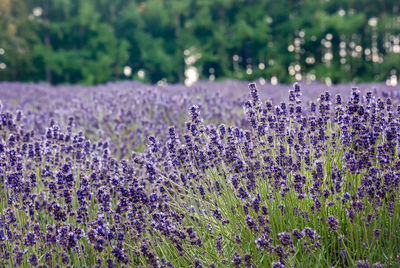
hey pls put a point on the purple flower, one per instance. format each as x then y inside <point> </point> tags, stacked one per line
<point>363,264</point>
<point>285,239</point>
<point>236,259</point>
<point>343,253</point>
<point>333,223</point>
<point>30,239</point>
<point>197,263</point>
<point>33,260</point>
<point>297,234</point>
<point>376,233</point>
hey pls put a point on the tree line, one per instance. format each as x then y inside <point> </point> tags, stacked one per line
<point>94,41</point>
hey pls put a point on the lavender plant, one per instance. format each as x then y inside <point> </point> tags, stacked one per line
<point>297,184</point>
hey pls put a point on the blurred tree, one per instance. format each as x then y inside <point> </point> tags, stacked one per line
<point>93,41</point>
<point>17,36</point>
<point>78,47</point>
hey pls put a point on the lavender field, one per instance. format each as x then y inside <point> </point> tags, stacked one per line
<point>220,174</point>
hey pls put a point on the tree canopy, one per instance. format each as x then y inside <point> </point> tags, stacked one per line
<point>94,41</point>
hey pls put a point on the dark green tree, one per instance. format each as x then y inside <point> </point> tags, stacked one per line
<point>92,41</point>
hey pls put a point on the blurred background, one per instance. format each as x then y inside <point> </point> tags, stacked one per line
<point>169,41</point>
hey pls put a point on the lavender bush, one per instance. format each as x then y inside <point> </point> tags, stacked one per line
<point>113,176</point>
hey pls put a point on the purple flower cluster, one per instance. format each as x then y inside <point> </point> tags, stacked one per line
<point>295,180</point>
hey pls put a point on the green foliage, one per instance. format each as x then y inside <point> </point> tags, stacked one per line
<point>91,41</point>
